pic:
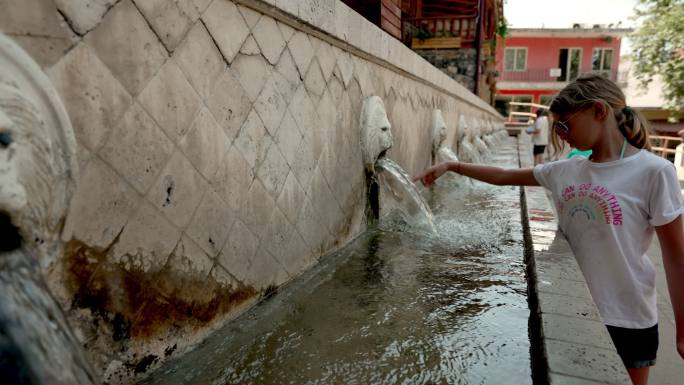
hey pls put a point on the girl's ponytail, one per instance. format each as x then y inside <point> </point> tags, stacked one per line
<point>634,127</point>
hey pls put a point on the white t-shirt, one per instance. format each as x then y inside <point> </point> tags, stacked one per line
<point>608,212</point>
<point>541,138</point>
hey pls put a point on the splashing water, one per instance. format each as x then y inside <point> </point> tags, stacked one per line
<point>409,200</point>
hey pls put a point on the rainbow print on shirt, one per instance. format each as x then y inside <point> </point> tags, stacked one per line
<point>593,202</point>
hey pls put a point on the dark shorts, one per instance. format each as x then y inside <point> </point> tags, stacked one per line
<point>636,347</point>
<point>536,150</point>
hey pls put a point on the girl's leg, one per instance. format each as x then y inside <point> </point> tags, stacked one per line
<point>639,376</point>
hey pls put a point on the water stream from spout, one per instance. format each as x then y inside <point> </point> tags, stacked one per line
<point>445,154</point>
<point>409,200</point>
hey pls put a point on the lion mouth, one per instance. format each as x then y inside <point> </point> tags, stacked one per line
<point>10,240</point>
<point>382,154</point>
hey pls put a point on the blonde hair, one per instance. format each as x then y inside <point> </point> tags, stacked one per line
<point>592,87</point>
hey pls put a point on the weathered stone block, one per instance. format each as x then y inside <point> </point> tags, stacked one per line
<point>269,38</point>
<point>345,67</point>
<point>264,271</point>
<point>251,16</point>
<point>304,162</point>
<point>128,46</point>
<point>276,234</point>
<point>233,179</point>
<point>324,201</point>
<point>170,19</point>
<point>271,106</point>
<point>286,66</point>
<point>178,190</point>
<point>559,379</point>
<point>285,30</point>
<point>296,256</point>
<point>252,72</point>
<point>554,285</point>
<point>84,15</point>
<point>273,171</point>
<point>41,32</point>
<point>206,144</point>
<point>302,51</point>
<point>190,259</point>
<point>100,207</point>
<point>326,58</point>
<point>257,209</point>
<point>211,223</point>
<point>285,87</point>
<point>312,228</point>
<point>289,6</point>
<point>137,149</point>
<point>288,138</point>
<point>319,13</point>
<point>239,250</point>
<point>94,99</point>
<point>596,364</point>
<point>576,331</point>
<point>291,198</point>
<point>253,141</point>
<point>227,26</point>
<point>569,306</point>
<point>229,104</point>
<point>342,14</point>
<point>146,241</point>
<point>250,47</point>
<point>313,80</point>
<point>171,101</point>
<point>200,60</point>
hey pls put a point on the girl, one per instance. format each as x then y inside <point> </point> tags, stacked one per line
<point>609,206</point>
<point>540,136</point>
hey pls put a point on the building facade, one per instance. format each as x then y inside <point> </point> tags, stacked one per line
<point>534,64</point>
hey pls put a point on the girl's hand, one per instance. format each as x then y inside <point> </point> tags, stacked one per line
<point>430,175</point>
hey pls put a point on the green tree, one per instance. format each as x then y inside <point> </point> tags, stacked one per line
<point>658,48</point>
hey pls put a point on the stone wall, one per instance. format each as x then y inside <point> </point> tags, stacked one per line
<point>218,145</point>
<point>457,63</point>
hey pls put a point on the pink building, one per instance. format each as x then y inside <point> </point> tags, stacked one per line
<point>534,64</point>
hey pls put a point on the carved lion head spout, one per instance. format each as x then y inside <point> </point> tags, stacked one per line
<point>37,165</point>
<point>438,130</point>
<point>376,137</point>
<point>37,152</point>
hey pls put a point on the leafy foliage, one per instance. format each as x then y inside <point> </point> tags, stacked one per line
<point>658,48</point>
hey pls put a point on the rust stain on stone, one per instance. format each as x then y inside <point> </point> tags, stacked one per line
<point>140,304</point>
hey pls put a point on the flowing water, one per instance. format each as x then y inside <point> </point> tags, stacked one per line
<point>446,154</point>
<point>395,306</point>
<point>404,194</point>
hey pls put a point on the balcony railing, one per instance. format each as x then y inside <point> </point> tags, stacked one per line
<point>539,75</point>
<point>463,26</point>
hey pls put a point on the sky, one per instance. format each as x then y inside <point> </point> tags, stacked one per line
<point>564,13</point>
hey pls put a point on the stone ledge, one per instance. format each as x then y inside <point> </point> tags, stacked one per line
<point>575,344</point>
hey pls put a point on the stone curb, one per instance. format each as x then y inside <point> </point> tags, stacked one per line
<point>574,347</point>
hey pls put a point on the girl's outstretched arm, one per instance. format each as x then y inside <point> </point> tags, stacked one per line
<point>671,238</point>
<point>489,174</point>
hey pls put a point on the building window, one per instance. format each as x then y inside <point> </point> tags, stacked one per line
<point>569,62</point>
<point>602,60</point>
<point>515,59</point>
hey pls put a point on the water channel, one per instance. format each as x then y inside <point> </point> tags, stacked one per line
<point>399,305</point>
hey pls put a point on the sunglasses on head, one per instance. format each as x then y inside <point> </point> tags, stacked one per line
<point>561,127</point>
